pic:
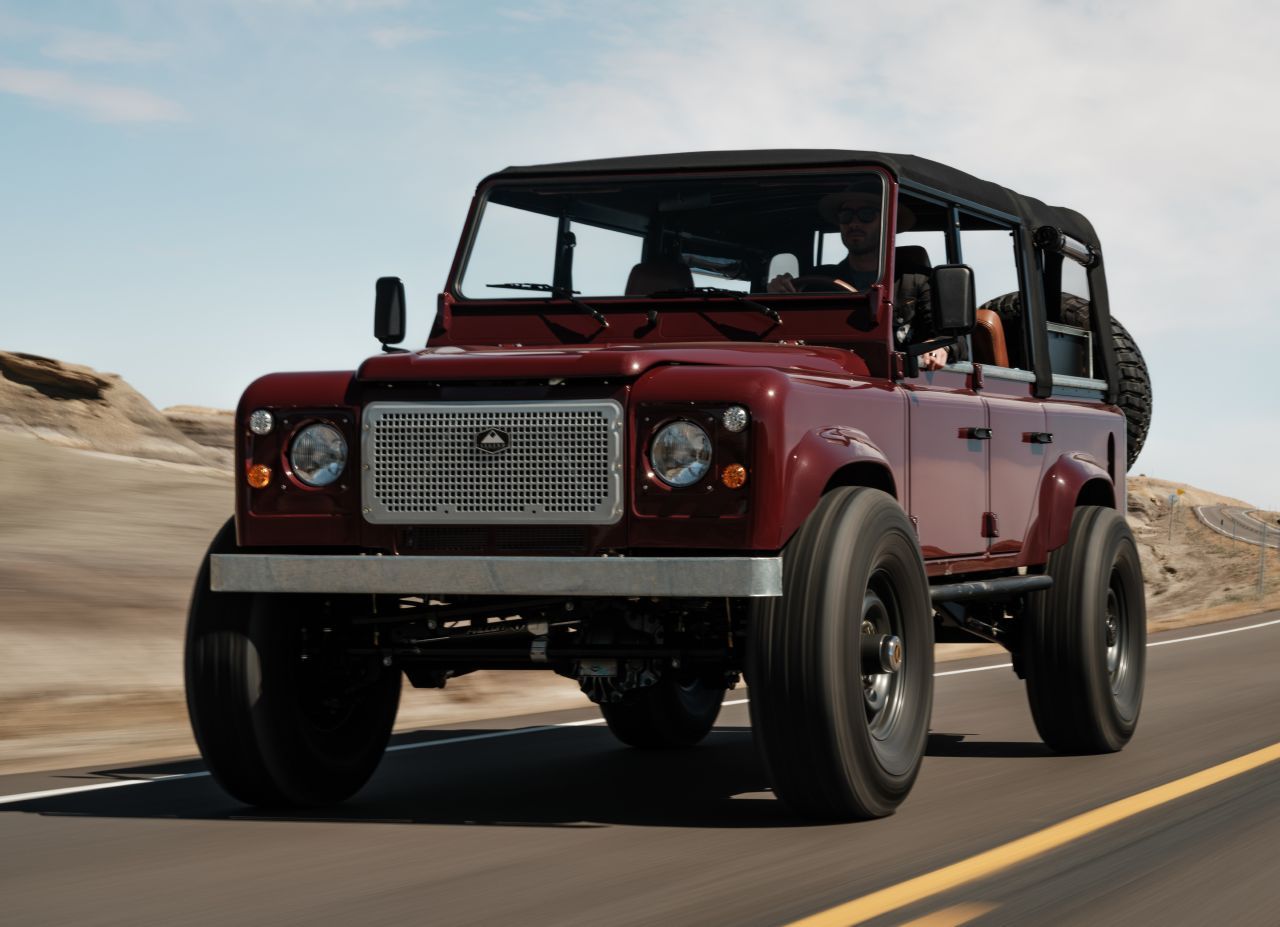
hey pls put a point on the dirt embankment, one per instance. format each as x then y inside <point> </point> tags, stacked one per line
<point>108,505</point>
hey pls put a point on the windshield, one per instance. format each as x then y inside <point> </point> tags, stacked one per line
<point>612,238</point>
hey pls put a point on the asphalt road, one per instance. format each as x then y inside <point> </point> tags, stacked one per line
<point>561,825</point>
<point>1247,525</point>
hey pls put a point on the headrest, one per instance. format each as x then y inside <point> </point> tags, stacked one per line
<point>655,276</point>
<point>911,259</point>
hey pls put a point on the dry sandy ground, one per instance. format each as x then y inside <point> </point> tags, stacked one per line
<point>98,552</point>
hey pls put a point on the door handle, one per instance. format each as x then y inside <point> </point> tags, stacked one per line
<point>978,434</point>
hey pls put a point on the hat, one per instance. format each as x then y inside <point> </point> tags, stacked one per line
<point>861,195</point>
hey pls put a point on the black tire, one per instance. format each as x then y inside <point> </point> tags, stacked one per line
<point>1135,390</point>
<point>670,713</point>
<point>1134,397</point>
<point>1085,644</point>
<point>838,744</point>
<point>275,729</point>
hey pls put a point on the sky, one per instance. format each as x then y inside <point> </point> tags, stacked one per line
<point>195,193</point>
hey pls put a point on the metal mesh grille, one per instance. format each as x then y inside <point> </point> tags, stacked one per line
<point>428,463</point>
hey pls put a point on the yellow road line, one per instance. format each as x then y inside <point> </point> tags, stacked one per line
<point>953,916</point>
<point>1024,848</point>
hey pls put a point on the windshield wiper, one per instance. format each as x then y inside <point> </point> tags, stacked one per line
<point>721,291</point>
<point>558,292</point>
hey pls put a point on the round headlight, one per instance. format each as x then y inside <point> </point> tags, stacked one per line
<point>680,454</point>
<point>318,455</point>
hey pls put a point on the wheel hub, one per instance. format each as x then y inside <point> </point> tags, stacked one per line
<point>881,655</point>
<point>1114,633</point>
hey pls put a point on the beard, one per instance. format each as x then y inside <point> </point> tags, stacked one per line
<point>866,244</point>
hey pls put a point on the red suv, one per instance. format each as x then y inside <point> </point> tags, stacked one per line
<point>792,415</point>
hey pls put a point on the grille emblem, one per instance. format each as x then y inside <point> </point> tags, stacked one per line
<point>493,440</point>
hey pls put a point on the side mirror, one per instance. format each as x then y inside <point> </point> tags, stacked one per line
<point>388,310</point>
<point>954,305</point>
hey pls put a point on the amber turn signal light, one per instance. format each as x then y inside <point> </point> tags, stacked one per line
<point>733,476</point>
<point>259,476</point>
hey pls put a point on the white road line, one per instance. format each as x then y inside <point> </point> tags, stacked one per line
<point>490,735</point>
<point>97,786</point>
<point>1197,637</point>
<point>976,669</point>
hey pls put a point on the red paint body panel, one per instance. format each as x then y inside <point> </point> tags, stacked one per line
<point>487,362</point>
<point>948,467</point>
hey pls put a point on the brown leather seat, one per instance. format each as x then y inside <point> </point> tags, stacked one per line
<point>988,340</point>
<point>655,276</point>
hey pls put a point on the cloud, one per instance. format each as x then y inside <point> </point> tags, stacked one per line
<point>399,36</point>
<point>100,48</point>
<point>100,102</point>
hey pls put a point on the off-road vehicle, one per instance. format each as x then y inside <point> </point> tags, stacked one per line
<point>666,434</point>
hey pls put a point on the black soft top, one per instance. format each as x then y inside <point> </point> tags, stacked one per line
<point>907,168</point>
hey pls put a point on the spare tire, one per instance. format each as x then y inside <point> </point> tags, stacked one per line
<point>1135,388</point>
<point>1134,397</point>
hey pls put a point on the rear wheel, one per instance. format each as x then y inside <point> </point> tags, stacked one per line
<point>841,666</point>
<point>282,714</point>
<point>1085,642</point>
<point>670,713</point>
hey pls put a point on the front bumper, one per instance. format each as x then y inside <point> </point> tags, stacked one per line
<point>681,577</point>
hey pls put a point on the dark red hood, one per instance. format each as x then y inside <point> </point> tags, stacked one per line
<point>591,361</point>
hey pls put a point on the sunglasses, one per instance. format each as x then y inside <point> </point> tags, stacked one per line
<point>860,214</point>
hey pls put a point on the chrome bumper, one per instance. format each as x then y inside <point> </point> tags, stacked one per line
<point>684,577</point>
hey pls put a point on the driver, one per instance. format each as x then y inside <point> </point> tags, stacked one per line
<point>856,212</point>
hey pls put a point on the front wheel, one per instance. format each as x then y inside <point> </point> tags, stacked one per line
<point>670,713</point>
<point>841,666</point>
<point>1085,642</point>
<point>282,713</point>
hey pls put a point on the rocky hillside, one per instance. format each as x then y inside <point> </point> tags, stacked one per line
<point>78,407</point>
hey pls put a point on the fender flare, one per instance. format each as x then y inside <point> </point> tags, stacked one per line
<point>819,458</point>
<point>1073,479</point>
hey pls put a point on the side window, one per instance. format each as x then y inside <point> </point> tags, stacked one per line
<point>934,244</point>
<point>990,249</point>
<point>1074,307</point>
<point>1070,342</point>
<point>921,224</point>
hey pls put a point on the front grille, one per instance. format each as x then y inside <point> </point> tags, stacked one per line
<point>485,463</point>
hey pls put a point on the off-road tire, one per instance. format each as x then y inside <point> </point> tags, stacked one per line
<point>830,753</point>
<point>274,729</point>
<point>1134,398</point>
<point>670,713</point>
<point>1084,645</point>
<point>1135,390</point>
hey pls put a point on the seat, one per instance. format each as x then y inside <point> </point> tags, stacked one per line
<point>911,259</point>
<point>988,340</point>
<point>658,275</point>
